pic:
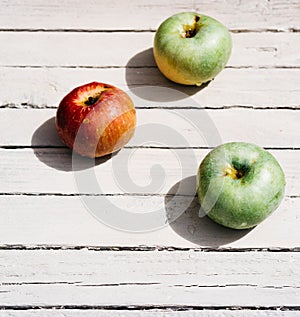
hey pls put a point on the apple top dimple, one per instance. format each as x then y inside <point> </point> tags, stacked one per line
<point>190,30</point>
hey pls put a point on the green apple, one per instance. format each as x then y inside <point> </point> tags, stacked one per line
<point>239,185</point>
<point>191,48</point>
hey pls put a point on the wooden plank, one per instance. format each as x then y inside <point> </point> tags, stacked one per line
<point>95,49</point>
<point>137,14</point>
<point>142,171</point>
<point>40,87</point>
<point>168,128</point>
<point>149,278</point>
<point>144,313</point>
<point>65,221</point>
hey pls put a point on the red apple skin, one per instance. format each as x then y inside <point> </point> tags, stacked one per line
<point>96,119</point>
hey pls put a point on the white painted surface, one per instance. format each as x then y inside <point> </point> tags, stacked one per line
<point>249,49</point>
<point>259,88</point>
<point>132,171</point>
<point>56,220</point>
<point>47,49</point>
<point>143,278</point>
<point>193,127</point>
<point>137,14</point>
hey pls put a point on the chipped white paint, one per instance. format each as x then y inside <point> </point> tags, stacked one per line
<point>246,87</point>
<point>137,14</point>
<point>57,220</point>
<point>249,49</point>
<point>145,278</point>
<point>144,313</point>
<point>53,171</point>
<point>50,47</point>
<point>196,128</point>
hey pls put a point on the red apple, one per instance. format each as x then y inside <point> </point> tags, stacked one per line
<point>96,119</point>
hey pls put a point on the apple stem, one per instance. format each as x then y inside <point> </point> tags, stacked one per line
<point>234,173</point>
<point>191,30</point>
<point>91,100</point>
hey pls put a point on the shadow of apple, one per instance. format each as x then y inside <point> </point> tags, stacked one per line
<point>188,221</point>
<point>138,75</point>
<point>50,150</point>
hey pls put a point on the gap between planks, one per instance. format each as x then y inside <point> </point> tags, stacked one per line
<point>179,167</point>
<point>198,128</point>
<point>48,222</point>
<point>30,106</point>
<point>250,51</point>
<point>251,88</point>
<point>136,67</point>
<point>45,147</point>
<point>193,279</point>
<point>153,30</point>
<point>142,248</point>
<point>249,15</point>
<point>149,310</point>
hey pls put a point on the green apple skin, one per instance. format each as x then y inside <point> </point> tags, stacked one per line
<point>191,48</point>
<point>239,185</point>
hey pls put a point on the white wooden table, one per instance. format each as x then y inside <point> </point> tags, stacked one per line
<point>56,257</point>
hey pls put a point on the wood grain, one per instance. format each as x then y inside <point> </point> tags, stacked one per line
<point>153,312</point>
<point>59,257</point>
<point>143,171</point>
<point>95,49</point>
<point>65,221</point>
<point>258,88</point>
<point>168,128</point>
<point>145,15</point>
<point>149,278</point>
